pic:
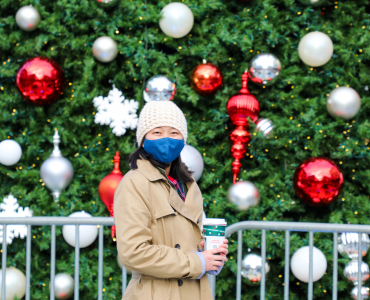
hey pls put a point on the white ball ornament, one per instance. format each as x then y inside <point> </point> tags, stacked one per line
<point>15,283</point>
<point>193,160</point>
<point>177,20</point>
<point>27,18</point>
<point>87,233</point>
<point>63,286</point>
<point>105,49</point>
<point>343,102</point>
<point>10,152</point>
<point>203,220</point>
<point>315,49</point>
<point>300,264</point>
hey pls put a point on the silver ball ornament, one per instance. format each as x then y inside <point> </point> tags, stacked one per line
<point>252,269</point>
<point>348,244</point>
<point>244,194</point>
<point>27,18</point>
<point>313,2</point>
<point>351,271</point>
<point>364,293</point>
<point>159,88</point>
<point>105,49</point>
<point>191,157</point>
<point>63,286</point>
<point>264,125</point>
<point>264,69</point>
<point>107,3</point>
<point>343,102</point>
<point>56,171</point>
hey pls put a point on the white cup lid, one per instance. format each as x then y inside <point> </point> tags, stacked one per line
<point>211,221</point>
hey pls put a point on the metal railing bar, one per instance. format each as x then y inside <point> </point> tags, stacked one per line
<point>295,226</point>
<point>212,284</point>
<point>77,262</point>
<point>40,221</point>
<point>335,265</point>
<point>3,263</point>
<point>100,267</point>
<point>263,271</point>
<point>310,282</point>
<point>124,280</point>
<point>28,262</point>
<point>52,263</point>
<point>239,262</point>
<point>359,295</point>
<point>287,261</point>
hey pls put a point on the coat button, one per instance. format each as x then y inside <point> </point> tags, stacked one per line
<point>177,246</point>
<point>198,221</point>
<point>180,282</point>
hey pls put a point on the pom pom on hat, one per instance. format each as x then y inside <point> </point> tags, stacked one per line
<point>160,113</point>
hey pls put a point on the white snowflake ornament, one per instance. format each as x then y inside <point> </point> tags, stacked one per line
<point>116,111</point>
<point>9,209</point>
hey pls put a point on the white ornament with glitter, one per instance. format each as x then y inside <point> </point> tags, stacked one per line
<point>11,208</point>
<point>116,111</point>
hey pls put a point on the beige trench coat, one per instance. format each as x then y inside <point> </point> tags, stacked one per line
<point>156,236</point>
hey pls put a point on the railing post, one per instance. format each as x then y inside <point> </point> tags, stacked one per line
<point>287,261</point>
<point>359,295</point>
<point>239,262</point>
<point>77,263</point>
<point>310,283</point>
<point>263,275</point>
<point>100,267</point>
<point>28,262</point>
<point>335,265</point>
<point>3,263</point>
<point>52,263</point>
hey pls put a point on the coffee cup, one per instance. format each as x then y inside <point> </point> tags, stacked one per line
<point>214,233</point>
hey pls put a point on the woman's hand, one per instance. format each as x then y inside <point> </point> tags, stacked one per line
<point>213,262</point>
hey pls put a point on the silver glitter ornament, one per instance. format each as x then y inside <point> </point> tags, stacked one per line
<point>343,102</point>
<point>105,49</point>
<point>364,293</point>
<point>63,286</point>
<point>351,271</point>
<point>314,2</point>
<point>264,125</point>
<point>56,171</point>
<point>252,269</point>
<point>158,88</point>
<point>27,18</point>
<point>244,194</point>
<point>264,69</point>
<point>107,3</point>
<point>348,244</point>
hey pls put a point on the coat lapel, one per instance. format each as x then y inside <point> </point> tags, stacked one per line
<point>193,202</point>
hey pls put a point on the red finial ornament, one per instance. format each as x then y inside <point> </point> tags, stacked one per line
<point>239,107</point>
<point>108,186</point>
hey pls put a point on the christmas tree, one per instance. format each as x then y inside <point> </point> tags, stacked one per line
<point>228,34</point>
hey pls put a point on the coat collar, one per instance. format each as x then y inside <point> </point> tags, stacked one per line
<point>193,205</point>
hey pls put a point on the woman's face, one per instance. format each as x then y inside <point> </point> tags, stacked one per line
<point>163,132</point>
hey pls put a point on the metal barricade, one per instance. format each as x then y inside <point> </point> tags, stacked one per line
<point>311,228</point>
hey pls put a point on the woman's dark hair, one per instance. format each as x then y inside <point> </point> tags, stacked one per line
<point>178,169</point>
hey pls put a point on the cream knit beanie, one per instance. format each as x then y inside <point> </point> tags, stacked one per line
<point>160,113</point>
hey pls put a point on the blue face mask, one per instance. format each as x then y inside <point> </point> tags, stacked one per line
<point>164,150</point>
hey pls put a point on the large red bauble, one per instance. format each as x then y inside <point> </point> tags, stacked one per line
<point>108,186</point>
<point>206,79</point>
<point>318,181</point>
<point>40,80</point>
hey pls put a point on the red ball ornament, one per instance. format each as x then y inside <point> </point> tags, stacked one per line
<point>107,188</point>
<point>239,107</point>
<point>318,181</point>
<point>206,79</point>
<point>40,80</point>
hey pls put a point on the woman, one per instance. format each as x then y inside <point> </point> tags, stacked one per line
<point>158,211</point>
